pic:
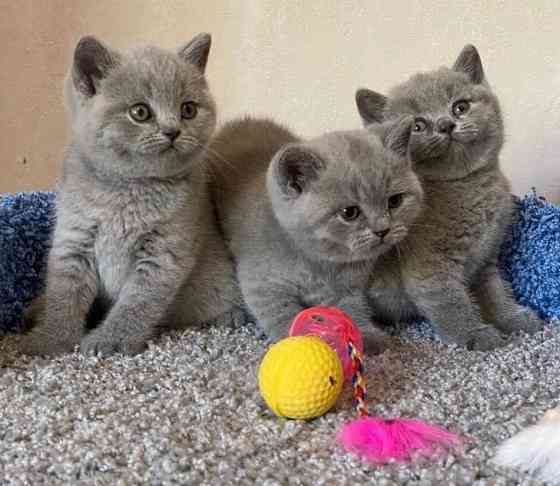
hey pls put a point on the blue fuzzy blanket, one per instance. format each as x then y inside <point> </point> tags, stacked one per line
<point>530,256</point>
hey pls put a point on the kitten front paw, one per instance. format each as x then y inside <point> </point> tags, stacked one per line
<point>485,339</point>
<point>525,321</point>
<point>33,315</point>
<point>233,318</point>
<point>375,341</point>
<point>98,342</point>
<point>42,342</point>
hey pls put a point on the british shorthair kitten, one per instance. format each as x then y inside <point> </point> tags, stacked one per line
<point>447,268</point>
<point>136,248</point>
<point>306,220</point>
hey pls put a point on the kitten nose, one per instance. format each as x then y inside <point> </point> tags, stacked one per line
<point>381,234</point>
<point>445,125</point>
<point>172,133</point>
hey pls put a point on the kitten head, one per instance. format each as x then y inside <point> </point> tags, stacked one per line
<point>143,113</point>
<point>458,125</point>
<point>346,196</point>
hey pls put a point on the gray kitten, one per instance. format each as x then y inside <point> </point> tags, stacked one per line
<point>447,268</point>
<point>306,221</point>
<point>136,247</point>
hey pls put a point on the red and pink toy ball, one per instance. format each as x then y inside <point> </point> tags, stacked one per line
<point>333,326</point>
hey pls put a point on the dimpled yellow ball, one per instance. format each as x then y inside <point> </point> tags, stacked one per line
<point>300,377</point>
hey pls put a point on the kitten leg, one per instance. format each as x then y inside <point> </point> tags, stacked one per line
<point>273,309</point>
<point>498,305</point>
<point>139,312</point>
<point>61,312</point>
<point>211,294</point>
<point>448,305</point>
<point>357,307</point>
<point>35,312</point>
<point>274,315</point>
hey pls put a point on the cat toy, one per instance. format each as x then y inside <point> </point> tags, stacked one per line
<point>299,374</point>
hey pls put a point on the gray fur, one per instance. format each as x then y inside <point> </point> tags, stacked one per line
<point>136,248</point>
<point>371,105</point>
<point>446,270</point>
<point>280,202</point>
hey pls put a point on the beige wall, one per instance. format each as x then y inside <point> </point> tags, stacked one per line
<point>299,61</point>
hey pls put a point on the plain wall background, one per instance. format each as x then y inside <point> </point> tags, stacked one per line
<point>298,61</point>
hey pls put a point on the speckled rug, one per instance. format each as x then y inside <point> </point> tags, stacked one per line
<point>188,411</point>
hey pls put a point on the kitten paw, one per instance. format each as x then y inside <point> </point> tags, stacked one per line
<point>99,343</point>
<point>485,339</point>
<point>271,337</point>
<point>42,343</point>
<point>524,321</point>
<point>375,341</point>
<point>234,318</point>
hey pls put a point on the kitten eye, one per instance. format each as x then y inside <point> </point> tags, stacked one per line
<point>140,112</point>
<point>419,125</point>
<point>189,110</point>
<point>395,200</point>
<point>461,107</point>
<point>351,213</point>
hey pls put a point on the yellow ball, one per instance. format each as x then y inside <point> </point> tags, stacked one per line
<point>300,377</point>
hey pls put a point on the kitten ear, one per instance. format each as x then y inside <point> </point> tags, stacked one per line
<point>469,62</point>
<point>92,62</point>
<point>371,105</point>
<point>196,51</point>
<point>295,167</point>
<point>397,136</point>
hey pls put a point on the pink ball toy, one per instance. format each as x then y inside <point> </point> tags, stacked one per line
<point>333,326</point>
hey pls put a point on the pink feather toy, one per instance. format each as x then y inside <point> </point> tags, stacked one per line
<point>375,439</point>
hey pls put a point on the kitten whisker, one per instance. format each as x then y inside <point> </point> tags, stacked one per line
<point>208,150</point>
<point>422,225</point>
<point>431,149</point>
<point>398,250</point>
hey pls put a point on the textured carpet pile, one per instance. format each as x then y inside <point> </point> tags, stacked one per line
<point>188,411</point>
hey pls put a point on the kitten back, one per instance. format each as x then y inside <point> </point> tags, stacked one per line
<point>247,144</point>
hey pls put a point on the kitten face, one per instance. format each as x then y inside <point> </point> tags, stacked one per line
<point>344,197</point>
<point>458,126</point>
<point>146,113</point>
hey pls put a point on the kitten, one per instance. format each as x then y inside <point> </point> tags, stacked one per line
<point>447,270</point>
<point>136,247</point>
<point>305,221</point>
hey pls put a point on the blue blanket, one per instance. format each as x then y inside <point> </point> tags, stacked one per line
<point>530,257</point>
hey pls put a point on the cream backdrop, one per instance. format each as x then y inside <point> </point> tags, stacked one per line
<point>298,61</point>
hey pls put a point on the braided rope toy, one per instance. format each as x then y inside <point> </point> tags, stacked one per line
<point>358,380</point>
<point>376,439</point>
